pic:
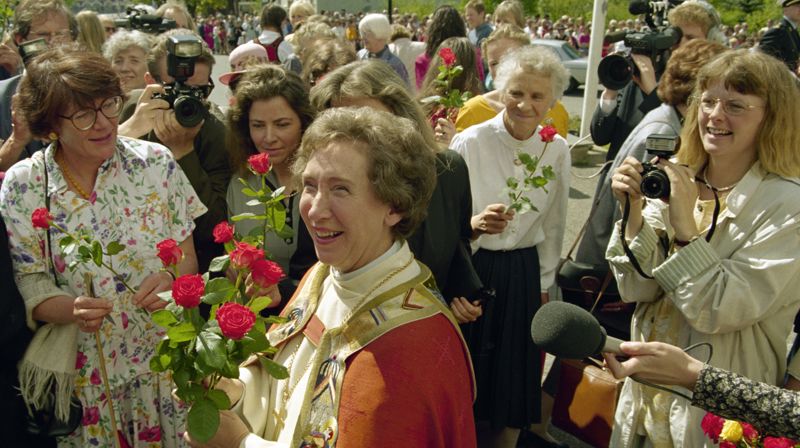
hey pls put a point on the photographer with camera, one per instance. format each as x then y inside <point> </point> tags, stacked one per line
<point>173,110</point>
<point>715,259</point>
<point>664,121</point>
<point>623,103</point>
<point>54,24</point>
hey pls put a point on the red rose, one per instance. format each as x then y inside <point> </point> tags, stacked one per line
<point>712,426</point>
<point>778,442</point>
<point>41,218</point>
<point>548,133</point>
<point>169,252</point>
<point>244,255</point>
<point>266,273</point>
<point>726,444</point>
<point>223,232</point>
<point>235,320</point>
<point>259,163</point>
<point>187,290</point>
<point>749,432</point>
<point>448,57</point>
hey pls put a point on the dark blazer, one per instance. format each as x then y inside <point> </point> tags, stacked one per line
<point>613,129</point>
<point>783,42</point>
<point>442,241</point>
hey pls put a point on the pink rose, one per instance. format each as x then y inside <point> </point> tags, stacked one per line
<point>778,442</point>
<point>259,163</point>
<point>41,218</point>
<point>726,444</point>
<point>91,415</point>
<point>235,320</point>
<point>266,273</point>
<point>712,426</point>
<point>244,255</point>
<point>187,290</point>
<point>548,133</point>
<point>749,432</point>
<point>448,57</point>
<point>169,252</point>
<point>223,232</point>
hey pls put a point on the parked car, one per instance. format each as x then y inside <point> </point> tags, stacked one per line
<point>574,62</point>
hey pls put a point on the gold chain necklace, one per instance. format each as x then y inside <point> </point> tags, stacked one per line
<point>713,188</point>
<point>287,392</point>
<point>59,157</point>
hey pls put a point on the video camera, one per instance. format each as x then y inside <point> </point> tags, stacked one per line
<point>616,70</point>
<point>188,102</point>
<point>138,19</point>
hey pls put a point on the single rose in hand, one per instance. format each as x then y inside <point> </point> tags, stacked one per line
<point>223,232</point>
<point>548,133</point>
<point>243,256</point>
<point>448,57</point>
<point>169,252</point>
<point>187,290</point>
<point>235,320</point>
<point>266,273</point>
<point>259,163</point>
<point>41,218</point>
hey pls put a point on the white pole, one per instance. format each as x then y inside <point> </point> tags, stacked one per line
<point>595,49</point>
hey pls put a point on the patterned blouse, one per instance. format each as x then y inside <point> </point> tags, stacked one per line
<point>141,197</point>
<point>770,409</point>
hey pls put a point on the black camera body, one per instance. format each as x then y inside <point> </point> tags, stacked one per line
<point>189,102</point>
<point>139,20</point>
<point>28,50</point>
<point>617,70</point>
<point>655,182</point>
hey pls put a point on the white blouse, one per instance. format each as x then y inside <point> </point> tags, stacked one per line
<point>490,153</point>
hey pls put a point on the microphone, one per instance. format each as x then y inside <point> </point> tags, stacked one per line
<point>568,331</point>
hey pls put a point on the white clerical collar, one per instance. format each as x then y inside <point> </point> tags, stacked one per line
<point>345,276</point>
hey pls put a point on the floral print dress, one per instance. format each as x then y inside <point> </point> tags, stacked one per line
<point>141,197</point>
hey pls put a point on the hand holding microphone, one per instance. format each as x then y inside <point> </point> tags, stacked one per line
<point>568,331</point>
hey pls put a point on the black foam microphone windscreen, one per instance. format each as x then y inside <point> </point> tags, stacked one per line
<point>568,331</point>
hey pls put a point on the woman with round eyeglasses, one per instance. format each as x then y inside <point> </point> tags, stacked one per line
<point>113,189</point>
<point>717,257</point>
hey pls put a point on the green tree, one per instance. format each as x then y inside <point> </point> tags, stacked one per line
<point>205,7</point>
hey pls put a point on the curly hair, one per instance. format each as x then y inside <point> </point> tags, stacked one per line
<point>445,22</point>
<point>328,55</point>
<point>677,82</point>
<point>29,10</point>
<point>376,80</point>
<point>751,73</point>
<point>262,82</point>
<point>401,171</point>
<point>60,78</point>
<point>540,61</point>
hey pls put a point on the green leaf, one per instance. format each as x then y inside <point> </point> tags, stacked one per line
<point>156,365</point>
<point>259,303</point>
<point>275,370</point>
<point>210,349</point>
<point>254,342</point>
<point>285,232</point>
<point>539,181</point>
<point>250,192</point>
<point>219,264</point>
<point>97,253</point>
<point>203,420</point>
<point>512,182</point>
<point>185,331</point>
<point>254,202</point>
<point>277,219</point>
<point>164,318</point>
<point>220,399</point>
<point>218,284</point>
<point>114,248</point>
<point>165,296</point>
<point>84,254</point>
<point>65,241</point>
<point>217,290</point>
<point>243,216</point>
<point>181,377</point>
<point>278,192</point>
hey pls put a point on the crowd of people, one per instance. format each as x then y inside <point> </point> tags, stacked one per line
<point>412,273</point>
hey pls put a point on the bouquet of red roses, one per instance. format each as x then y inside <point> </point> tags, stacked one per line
<point>733,434</point>
<point>200,352</point>
<point>449,99</point>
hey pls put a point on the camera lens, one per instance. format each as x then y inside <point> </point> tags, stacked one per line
<point>655,184</point>
<point>615,71</point>
<point>189,111</point>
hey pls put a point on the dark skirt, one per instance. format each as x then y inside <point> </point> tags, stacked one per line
<point>506,361</point>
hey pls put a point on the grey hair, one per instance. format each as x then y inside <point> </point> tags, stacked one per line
<point>534,60</point>
<point>377,24</point>
<point>124,39</point>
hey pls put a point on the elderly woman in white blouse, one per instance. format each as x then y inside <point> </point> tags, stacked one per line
<point>516,253</point>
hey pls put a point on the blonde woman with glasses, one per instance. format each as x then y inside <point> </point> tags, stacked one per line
<point>717,256</point>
